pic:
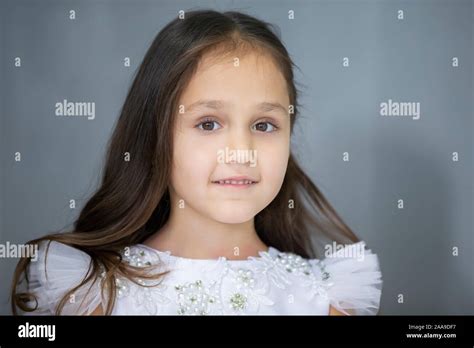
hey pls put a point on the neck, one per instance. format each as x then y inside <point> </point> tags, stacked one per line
<point>189,234</point>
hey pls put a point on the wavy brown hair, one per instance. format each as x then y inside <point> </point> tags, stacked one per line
<point>132,201</point>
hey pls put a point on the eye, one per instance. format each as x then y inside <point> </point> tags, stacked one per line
<point>208,125</point>
<point>266,127</point>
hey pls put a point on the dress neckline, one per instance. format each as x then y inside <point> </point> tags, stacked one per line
<point>169,255</point>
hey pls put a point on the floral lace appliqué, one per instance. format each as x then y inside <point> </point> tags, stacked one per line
<point>223,287</point>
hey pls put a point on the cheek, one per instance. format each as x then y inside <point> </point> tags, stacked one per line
<point>193,162</point>
<point>272,162</point>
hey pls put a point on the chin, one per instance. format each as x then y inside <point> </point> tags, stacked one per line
<point>234,215</point>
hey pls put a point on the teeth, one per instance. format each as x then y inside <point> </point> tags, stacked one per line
<point>235,182</point>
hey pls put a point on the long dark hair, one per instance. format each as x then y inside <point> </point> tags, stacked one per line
<point>133,201</point>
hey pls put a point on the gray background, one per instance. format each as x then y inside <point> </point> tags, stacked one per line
<point>390,158</point>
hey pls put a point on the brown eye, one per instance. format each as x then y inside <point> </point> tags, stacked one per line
<point>207,126</point>
<point>266,127</point>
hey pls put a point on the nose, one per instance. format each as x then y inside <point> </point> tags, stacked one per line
<point>240,141</point>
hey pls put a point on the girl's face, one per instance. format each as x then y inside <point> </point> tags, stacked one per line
<point>233,121</point>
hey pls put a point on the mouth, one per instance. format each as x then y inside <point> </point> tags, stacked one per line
<point>246,182</point>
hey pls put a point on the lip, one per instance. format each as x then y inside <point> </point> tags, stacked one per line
<point>236,181</point>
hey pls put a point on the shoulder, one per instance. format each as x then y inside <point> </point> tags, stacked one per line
<point>351,277</point>
<point>55,270</point>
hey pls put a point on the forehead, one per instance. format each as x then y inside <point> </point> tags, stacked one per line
<point>252,77</point>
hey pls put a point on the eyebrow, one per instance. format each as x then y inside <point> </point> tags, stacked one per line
<point>220,104</point>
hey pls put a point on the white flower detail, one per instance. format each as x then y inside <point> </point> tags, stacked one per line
<point>274,271</point>
<point>149,293</point>
<point>152,298</point>
<point>194,298</point>
<point>316,286</point>
<point>251,293</point>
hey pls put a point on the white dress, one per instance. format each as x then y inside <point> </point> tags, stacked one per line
<point>272,283</point>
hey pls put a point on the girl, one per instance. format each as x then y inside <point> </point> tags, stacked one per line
<point>202,207</point>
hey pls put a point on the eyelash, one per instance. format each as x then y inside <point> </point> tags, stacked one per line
<point>210,119</point>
